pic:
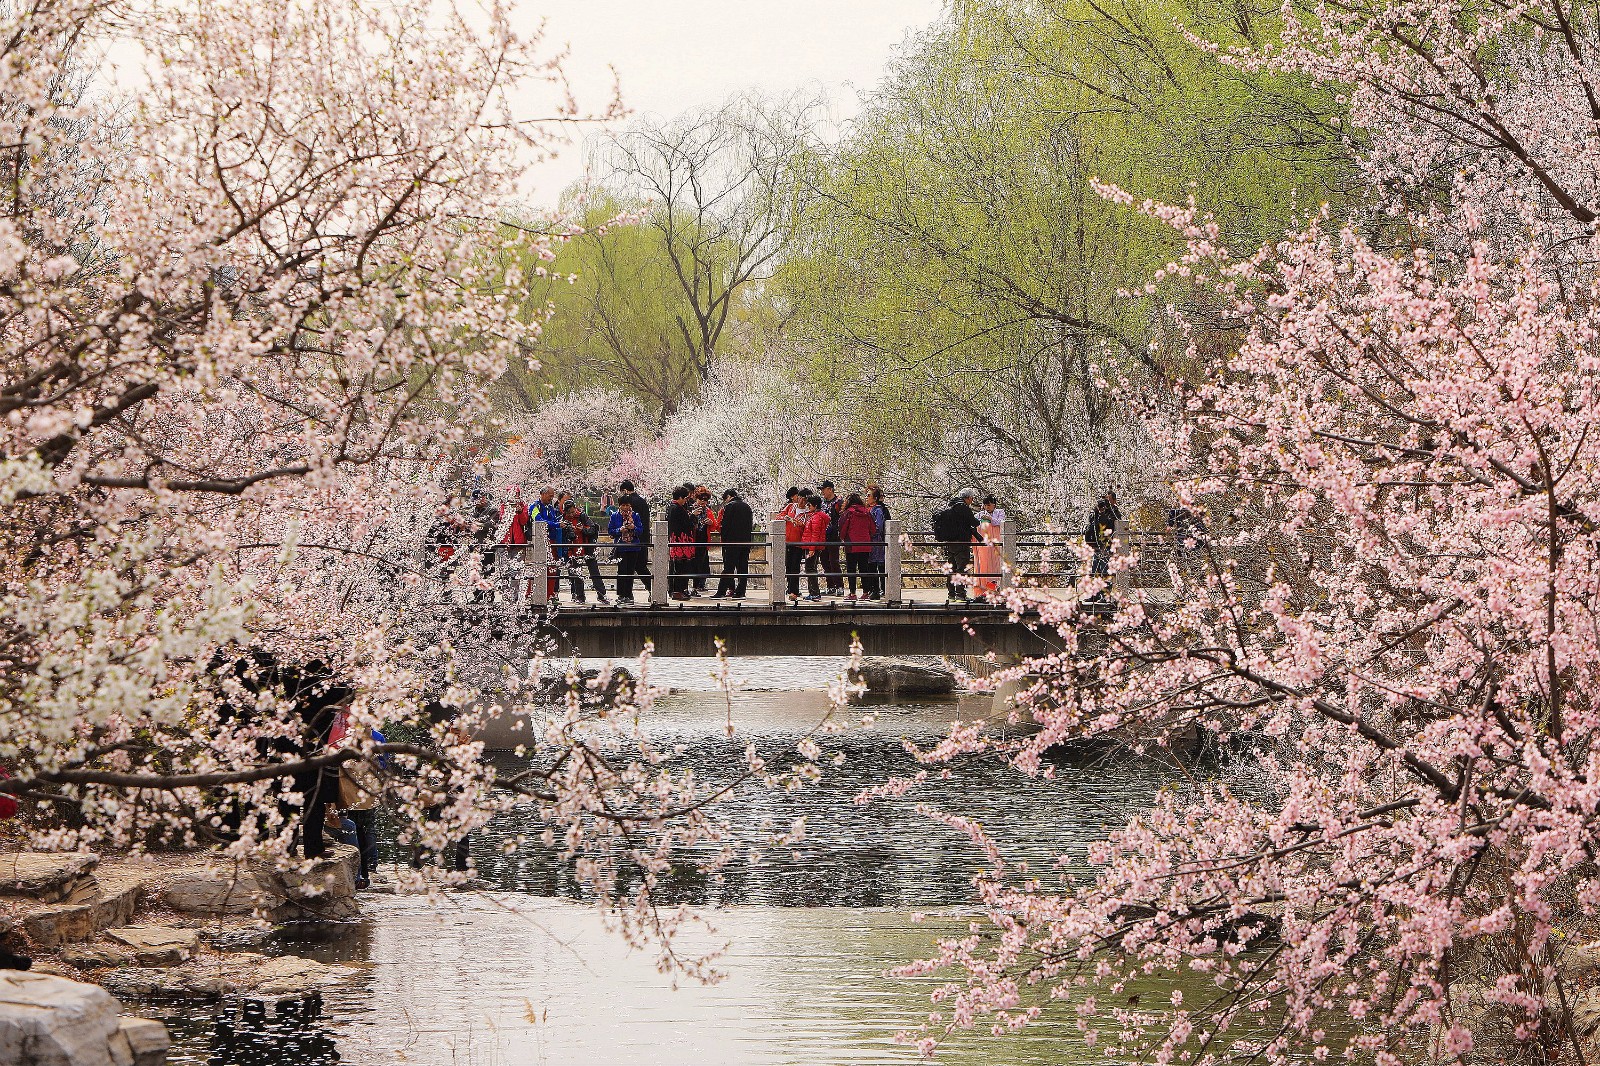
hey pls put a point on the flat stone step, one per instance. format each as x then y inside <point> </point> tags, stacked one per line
<point>49,877</point>
<point>156,945</point>
<point>111,902</point>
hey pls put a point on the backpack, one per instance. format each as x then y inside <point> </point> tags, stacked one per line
<point>940,523</point>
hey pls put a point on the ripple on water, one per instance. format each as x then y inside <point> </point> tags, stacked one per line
<point>528,976</point>
<point>509,980</point>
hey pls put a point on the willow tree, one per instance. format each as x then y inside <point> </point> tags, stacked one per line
<point>985,281</point>
<point>612,313</point>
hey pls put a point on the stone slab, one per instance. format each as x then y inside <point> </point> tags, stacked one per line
<point>156,945</point>
<point>114,903</point>
<point>324,890</point>
<point>49,877</point>
<point>280,977</point>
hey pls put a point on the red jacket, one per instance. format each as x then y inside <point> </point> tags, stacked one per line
<point>816,534</point>
<point>857,529</point>
<point>517,532</point>
<point>794,527</point>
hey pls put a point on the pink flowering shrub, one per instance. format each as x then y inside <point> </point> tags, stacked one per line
<point>1392,624</point>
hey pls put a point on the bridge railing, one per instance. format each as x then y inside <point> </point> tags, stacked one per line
<point>771,569</point>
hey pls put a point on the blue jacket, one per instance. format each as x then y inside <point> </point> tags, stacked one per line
<point>617,527</point>
<point>547,513</point>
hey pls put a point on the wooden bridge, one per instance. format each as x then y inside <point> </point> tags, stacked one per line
<point>908,628</point>
<point>910,618</point>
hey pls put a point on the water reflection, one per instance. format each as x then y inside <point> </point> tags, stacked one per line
<point>507,980</point>
<point>881,854</point>
<point>526,975</point>
<point>250,1032</point>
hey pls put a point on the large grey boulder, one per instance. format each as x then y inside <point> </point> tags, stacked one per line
<point>214,890</point>
<point>50,1021</point>
<point>325,889</point>
<point>902,677</point>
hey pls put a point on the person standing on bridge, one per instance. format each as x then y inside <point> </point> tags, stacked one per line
<point>1101,533</point>
<point>680,531</point>
<point>953,529</point>
<point>482,522</point>
<point>627,537</point>
<point>815,540</point>
<point>641,508</point>
<point>578,535</point>
<point>700,510</point>
<point>834,506</point>
<point>793,517</point>
<point>878,557</point>
<point>858,531</point>
<point>738,527</point>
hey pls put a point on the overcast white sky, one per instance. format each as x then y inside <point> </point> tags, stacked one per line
<point>671,55</point>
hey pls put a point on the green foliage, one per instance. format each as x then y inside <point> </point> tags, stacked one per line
<point>960,274</point>
<point>615,316</point>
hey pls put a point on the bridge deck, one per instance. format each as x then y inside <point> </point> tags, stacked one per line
<point>921,624</point>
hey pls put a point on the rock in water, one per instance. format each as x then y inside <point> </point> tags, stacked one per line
<point>155,945</point>
<point>51,1021</point>
<point>901,677</point>
<point>278,978</point>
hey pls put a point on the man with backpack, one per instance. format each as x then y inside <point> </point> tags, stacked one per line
<point>1101,532</point>
<point>954,526</point>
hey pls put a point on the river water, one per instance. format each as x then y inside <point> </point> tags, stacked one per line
<point>524,974</point>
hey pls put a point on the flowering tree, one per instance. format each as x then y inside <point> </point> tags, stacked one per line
<point>241,312</point>
<point>1395,632</point>
<point>582,441</point>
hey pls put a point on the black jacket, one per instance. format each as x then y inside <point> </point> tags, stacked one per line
<point>1102,524</point>
<point>955,523</point>
<point>679,520</point>
<point>738,522</point>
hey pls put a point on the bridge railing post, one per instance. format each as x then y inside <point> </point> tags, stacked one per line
<point>660,562</point>
<point>777,562</point>
<point>539,563</point>
<point>1008,555</point>
<point>893,553</point>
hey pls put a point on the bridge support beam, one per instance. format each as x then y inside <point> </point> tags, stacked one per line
<point>599,633</point>
<point>1008,555</point>
<point>538,563</point>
